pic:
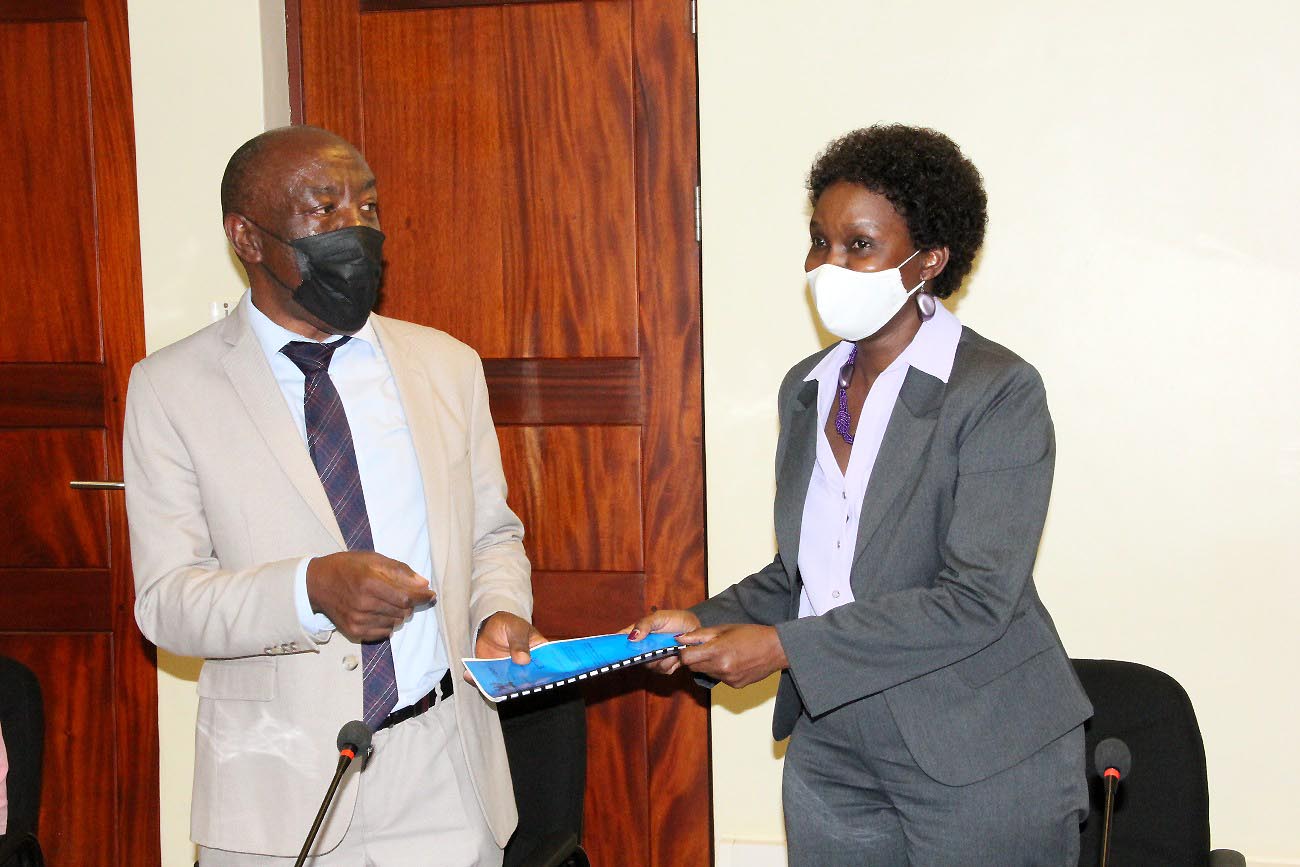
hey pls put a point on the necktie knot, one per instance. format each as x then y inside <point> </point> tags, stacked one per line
<point>312,357</point>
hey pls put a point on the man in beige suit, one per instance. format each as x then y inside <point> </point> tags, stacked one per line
<point>317,508</point>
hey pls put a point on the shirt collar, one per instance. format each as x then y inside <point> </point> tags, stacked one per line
<point>272,336</point>
<point>931,351</point>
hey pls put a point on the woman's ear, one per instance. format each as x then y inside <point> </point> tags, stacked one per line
<point>247,243</point>
<point>933,262</point>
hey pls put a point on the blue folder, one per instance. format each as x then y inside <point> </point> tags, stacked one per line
<point>557,663</point>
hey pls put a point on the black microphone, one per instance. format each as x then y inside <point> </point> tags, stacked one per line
<point>1113,761</point>
<point>353,740</point>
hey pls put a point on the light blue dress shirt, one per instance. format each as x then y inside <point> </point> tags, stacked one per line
<point>390,479</point>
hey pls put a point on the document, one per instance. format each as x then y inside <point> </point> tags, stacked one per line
<point>557,663</point>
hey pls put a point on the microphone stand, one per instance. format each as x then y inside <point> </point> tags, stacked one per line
<point>345,759</point>
<point>1111,778</point>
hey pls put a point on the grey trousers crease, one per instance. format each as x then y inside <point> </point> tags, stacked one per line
<point>854,797</point>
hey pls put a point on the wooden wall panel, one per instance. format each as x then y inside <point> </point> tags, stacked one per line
<point>434,141</point>
<point>78,813</point>
<point>74,600</point>
<point>580,488</point>
<point>564,390</point>
<point>59,395</point>
<point>46,177</point>
<point>512,235</point>
<point>577,604</point>
<point>668,284</point>
<point>617,800</point>
<point>46,523</point>
<point>569,245</point>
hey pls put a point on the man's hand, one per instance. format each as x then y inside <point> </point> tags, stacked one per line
<point>670,620</point>
<point>506,634</point>
<point>736,654</point>
<point>366,595</point>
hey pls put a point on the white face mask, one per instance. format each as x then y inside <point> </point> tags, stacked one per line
<point>856,304</point>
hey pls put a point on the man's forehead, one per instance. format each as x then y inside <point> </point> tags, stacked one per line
<point>324,167</point>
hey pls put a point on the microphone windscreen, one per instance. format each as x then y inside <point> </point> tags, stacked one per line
<point>1113,753</point>
<point>355,735</point>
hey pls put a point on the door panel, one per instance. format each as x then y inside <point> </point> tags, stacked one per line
<point>537,164</point>
<point>532,153</point>
<point>56,272</point>
<point>72,311</point>
<point>574,524</point>
<point>46,522</point>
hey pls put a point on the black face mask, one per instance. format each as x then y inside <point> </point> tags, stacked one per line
<point>341,271</point>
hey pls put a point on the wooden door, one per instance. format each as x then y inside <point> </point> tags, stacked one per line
<point>70,311</point>
<point>537,164</point>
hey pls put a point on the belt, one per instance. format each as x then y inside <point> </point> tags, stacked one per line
<point>441,692</point>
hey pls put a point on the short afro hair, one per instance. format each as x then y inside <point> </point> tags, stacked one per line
<point>925,176</point>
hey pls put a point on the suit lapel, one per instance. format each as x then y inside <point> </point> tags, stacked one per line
<point>422,409</point>
<point>796,473</point>
<point>907,436</point>
<point>253,380</point>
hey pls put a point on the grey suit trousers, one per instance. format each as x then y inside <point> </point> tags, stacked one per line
<point>855,797</point>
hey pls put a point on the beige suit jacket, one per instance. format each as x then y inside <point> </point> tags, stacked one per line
<point>223,501</point>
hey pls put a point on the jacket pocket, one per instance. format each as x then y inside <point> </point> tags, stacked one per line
<point>238,679</point>
<point>1026,637</point>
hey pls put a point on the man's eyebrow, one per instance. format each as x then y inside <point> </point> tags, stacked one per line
<point>370,184</point>
<point>327,190</point>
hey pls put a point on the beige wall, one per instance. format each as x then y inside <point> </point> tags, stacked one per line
<point>1140,163</point>
<point>1143,194</point>
<point>200,91</point>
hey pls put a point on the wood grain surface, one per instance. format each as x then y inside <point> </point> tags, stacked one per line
<point>78,796</point>
<point>503,215</point>
<point>51,287</point>
<point>75,308</point>
<point>537,165</point>
<point>580,488</point>
<point>47,523</point>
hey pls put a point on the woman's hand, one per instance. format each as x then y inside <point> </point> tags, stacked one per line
<point>736,654</point>
<point>671,620</point>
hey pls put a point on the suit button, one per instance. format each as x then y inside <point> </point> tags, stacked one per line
<point>350,661</point>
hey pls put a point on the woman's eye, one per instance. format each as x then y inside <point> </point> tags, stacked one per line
<point>860,244</point>
<point>817,243</point>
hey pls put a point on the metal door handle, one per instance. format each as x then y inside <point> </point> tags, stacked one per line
<point>97,486</point>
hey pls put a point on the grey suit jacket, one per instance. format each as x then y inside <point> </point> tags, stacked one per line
<point>223,502</point>
<point>946,621</point>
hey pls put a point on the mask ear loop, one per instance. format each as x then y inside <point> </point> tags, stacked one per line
<point>278,240</point>
<point>925,303</point>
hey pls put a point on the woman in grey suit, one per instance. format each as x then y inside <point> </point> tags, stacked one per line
<point>933,714</point>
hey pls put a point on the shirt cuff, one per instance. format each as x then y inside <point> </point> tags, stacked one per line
<point>310,620</point>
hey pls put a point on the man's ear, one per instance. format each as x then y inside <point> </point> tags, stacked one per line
<point>933,262</point>
<point>243,237</point>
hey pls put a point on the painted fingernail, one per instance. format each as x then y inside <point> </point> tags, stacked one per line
<point>634,634</point>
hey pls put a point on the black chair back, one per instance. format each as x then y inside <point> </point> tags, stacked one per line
<point>22,725</point>
<point>1162,811</point>
<point>546,743</point>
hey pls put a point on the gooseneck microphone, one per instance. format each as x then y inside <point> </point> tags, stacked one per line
<point>353,740</point>
<point>1113,761</point>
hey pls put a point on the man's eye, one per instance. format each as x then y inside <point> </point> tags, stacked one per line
<point>818,242</point>
<point>370,206</point>
<point>860,244</point>
<point>326,208</point>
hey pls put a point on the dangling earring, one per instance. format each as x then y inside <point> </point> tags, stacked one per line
<point>926,305</point>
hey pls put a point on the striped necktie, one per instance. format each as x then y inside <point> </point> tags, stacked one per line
<point>329,439</point>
